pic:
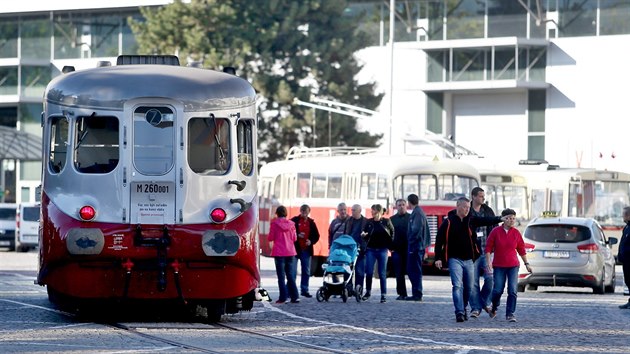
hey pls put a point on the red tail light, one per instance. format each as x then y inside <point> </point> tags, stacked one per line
<point>218,215</point>
<point>590,248</point>
<point>87,213</point>
<point>529,247</point>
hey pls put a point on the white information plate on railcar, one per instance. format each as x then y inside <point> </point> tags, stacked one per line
<point>556,254</point>
<point>153,202</point>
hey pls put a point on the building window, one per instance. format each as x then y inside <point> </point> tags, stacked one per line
<point>506,19</point>
<point>469,65</point>
<point>208,145</point>
<point>9,80</point>
<point>465,19</point>
<point>614,16</point>
<point>435,107</point>
<point>34,80</point>
<point>537,102</point>
<point>8,39</point>
<point>577,18</point>
<point>35,38</point>
<point>96,148</point>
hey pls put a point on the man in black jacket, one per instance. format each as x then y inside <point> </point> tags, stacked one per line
<point>456,246</point>
<point>624,252</point>
<point>480,296</point>
<point>307,236</point>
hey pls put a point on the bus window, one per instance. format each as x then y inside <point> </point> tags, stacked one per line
<point>319,185</point>
<point>208,142</point>
<point>275,193</point>
<point>244,138</point>
<point>58,144</point>
<point>368,186</point>
<point>96,148</point>
<point>334,186</point>
<point>555,200</point>
<point>424,186</point>
<point>382,190</point>
<point>454,186</point>
<point>538,202</point>
<point>303,185</point>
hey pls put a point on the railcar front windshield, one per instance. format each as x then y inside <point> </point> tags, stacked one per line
<point>500,197</point>
<point>434,187</point>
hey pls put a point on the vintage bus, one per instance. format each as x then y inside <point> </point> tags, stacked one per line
<point>581,192</point>
<point>324,177</point>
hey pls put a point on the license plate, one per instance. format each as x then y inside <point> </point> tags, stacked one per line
<point>153,188</point>
<point>556,254</point>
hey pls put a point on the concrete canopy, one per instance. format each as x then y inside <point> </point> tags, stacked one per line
<point>18,145</point>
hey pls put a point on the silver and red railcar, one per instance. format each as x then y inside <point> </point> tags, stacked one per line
<point>149,186</point>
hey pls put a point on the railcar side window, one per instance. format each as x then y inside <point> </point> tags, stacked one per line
<point>368,185</point>
<point>245,141</point>
<point>96,148</point>
<point>334,186</point>
<point>153,140</point>
<point>319,185</point>
<point>304,185</point>
<point>58,144</point>
<point>208,145</point>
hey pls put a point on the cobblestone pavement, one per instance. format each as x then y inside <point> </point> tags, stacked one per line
<point>551,320</point>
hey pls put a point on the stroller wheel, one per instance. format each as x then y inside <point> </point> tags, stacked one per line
<point>320,296</point>
<point>358,293</point>
<point>344,295</point>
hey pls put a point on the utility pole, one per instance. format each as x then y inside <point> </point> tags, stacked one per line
<point>392,9</point>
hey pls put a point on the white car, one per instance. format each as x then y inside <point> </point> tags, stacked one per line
<point>27,227</point>
<point>7,225</point>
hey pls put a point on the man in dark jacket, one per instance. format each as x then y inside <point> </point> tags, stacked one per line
<point>480,297</point>
<point>355,225</point>
<point>624,252</point>
<point>399,250</point>
<point>307,236</point>
<point>456,246</point>
<point>418,239</point>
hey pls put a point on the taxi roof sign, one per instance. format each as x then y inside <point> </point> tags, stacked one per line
<point>549,214</point>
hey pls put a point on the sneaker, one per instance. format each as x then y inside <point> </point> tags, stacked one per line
<point>281,301</point>
<point>459,317</point>
<point>493,313</point>
<point>625,306</point>
<point>383,299</point>
<point>366,296</point>
<point>488,309</point>
<point>295,301</point>
<point>510,318</point>
<point>307,295</point>
<point>475,313</point>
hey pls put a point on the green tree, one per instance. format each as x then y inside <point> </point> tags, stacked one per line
<point>286,49</point>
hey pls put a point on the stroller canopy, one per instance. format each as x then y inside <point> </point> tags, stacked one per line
<point>343,246</point>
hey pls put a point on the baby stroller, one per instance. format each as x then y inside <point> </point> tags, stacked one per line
<point>339,269</point>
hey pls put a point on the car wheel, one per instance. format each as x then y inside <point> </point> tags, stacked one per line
<point>599,289</point>
<point>520,288</point>
<point>611,288</point>
<point>532,287</point>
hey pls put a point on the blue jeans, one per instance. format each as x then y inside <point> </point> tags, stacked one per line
<point>371,257</point>
<point>414,269</point>
<point>481,298</point>
<point>500,275</point>
<point>399,259</point>
<point>359,270</point>
<point>462,281</point>
<point>305,269</point>
<point>285,268</point>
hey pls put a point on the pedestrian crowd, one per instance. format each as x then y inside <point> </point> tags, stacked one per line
<point>470,243</point>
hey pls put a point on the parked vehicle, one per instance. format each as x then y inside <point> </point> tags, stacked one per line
<point>7,225</point>
<point>27,227</point>
<point>568,251</point>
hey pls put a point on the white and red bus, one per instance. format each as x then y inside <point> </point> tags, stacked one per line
<point>324,177</point>
<point>581,192</point>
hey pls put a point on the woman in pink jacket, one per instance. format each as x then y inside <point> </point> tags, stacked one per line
<point>282,235</point>
<point>506,242</point>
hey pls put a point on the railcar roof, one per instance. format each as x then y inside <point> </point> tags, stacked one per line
<point>110,87</point>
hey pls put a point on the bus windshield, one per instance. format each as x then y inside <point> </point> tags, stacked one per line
<point>604,201</point>
<point>432,187</point>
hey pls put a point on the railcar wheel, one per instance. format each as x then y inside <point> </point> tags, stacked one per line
<point>320,295</point>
